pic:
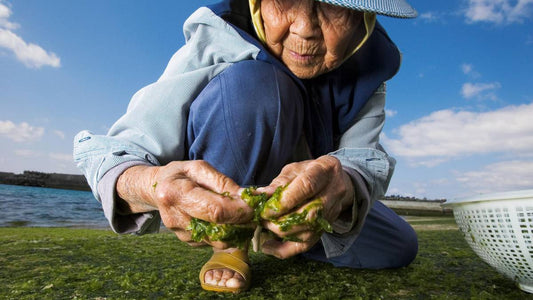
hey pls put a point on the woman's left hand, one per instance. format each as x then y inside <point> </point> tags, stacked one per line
<point>322,178</point>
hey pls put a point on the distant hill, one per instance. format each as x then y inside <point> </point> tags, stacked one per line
<point>50,180</point>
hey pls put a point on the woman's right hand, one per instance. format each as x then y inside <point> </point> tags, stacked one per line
<point>180,191</point>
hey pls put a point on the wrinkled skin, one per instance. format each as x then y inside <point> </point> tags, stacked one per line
<point>311,38</point>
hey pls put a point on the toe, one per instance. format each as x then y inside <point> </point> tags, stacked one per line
<point>234,283</point>
<point>217,274</point>
<point>224,278</point>
<point>227,274</point>
<point>208,277</point>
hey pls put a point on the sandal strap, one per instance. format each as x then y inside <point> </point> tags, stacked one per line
<point>236,261</point>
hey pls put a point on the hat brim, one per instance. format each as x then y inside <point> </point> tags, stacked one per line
<point>391,8</point>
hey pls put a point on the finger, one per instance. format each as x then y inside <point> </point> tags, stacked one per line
<point>276,229</point>
<point>220,208</point>
<point>286,176</point>
<point>269,190</point>
<point>209,178</point>
<point>203,204</point>
<point>220,245</point>
<point>293,223</point>
<point>174,219</point>
<point>286,249</point>
<point>184,236</point>
<point>200,203</point>
<point>305,186</point>
<point>302,237</point>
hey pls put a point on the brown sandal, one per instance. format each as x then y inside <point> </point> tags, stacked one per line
<point>236,261</point>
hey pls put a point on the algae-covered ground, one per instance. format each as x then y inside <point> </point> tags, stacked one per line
<point>61,263</point>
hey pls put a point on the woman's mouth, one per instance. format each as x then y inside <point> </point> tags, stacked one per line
<point>302,58</point>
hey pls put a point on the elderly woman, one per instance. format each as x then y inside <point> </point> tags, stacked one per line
<point>267,93</point>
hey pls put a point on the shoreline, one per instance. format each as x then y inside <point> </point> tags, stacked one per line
<point>96,227</point>
<point>46,180</point>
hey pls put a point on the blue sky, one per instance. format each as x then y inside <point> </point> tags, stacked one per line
<point>459,111</point>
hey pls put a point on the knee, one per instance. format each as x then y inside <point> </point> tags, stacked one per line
<point>258,110</point>
<point>408,248</point>
<point>255,88</point>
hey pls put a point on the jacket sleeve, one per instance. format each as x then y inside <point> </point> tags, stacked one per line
<point>102,159</point>
<point>369,167</point>
<point>359,147</point>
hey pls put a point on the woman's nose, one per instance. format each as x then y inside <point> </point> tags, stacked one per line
<point>305,21</point>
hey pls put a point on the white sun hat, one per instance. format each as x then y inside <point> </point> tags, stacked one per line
<point>391,8</point>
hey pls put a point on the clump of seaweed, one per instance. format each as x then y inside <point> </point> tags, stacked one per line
<point>239,235</point>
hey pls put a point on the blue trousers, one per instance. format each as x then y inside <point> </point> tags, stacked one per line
<point>247,122</point>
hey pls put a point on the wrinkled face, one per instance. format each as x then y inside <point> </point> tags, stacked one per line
<point>310,37</point>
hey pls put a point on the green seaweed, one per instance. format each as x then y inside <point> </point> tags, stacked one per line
<point>274,202</point>
<point>286,223</point>
<point>255,201</point>
<point>317,224</point>
<point>235,235</point>
<point>239,235</point>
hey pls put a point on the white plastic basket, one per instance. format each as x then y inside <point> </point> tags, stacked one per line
<point>499,228</point>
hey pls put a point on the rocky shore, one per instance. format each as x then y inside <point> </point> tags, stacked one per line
<point>49,180</point>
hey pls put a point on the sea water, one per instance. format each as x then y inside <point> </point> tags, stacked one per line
<point>47,207</point>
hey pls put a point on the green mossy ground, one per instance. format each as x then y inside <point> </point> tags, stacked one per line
<point>59,263</point>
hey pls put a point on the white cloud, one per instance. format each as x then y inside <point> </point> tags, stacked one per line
<point>467,68</point>
<point>479,90</point>
<point>22,132</point>
<point>60,134</point>
<point>5,13</point>
<point>390,113</point>
<point>428,17</point>
<point>498,11</point>
<point>447,134</point>
<point>31,55</point>
<point>499,177</point>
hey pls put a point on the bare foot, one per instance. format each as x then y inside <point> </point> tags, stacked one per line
<point>224,277</point>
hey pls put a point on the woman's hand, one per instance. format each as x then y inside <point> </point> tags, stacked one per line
<point>321,178</point>
<point>180,191</point>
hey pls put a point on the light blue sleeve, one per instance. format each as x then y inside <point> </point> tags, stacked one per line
<point>359,147</point>
<point>97,154</point>
<point>369,167</point>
